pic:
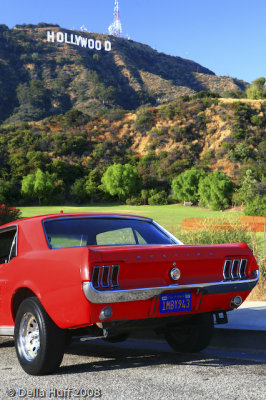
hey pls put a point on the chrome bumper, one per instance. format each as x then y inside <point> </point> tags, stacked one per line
<point>120,296</point>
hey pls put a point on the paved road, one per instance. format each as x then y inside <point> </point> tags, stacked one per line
<point>139,370</point>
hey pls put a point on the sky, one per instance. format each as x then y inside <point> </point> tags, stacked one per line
<point>226,36</point>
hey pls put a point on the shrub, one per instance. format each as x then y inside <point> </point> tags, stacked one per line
<point>242,152</point>
<point>257,89</point>
<point>76,118</point>
<point>228,231</point>
<point>258,120</point>
<point>134,201</point>
<point>234,94</point>
<point>8,214</point>
<point>158,199</point>
<point>205,94</point>
<point>144,120</point>
<point>256,207</point>
<point>217,231</point>
<point>115,115</point>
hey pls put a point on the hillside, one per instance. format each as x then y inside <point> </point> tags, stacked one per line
<point>39,78</point>
<point>161,142</point>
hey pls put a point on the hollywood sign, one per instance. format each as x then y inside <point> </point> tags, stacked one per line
<point>77,40</point>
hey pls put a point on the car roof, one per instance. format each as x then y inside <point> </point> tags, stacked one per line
<point>40,218</point>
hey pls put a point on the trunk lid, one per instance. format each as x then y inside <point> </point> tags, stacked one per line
<point>129,267</point>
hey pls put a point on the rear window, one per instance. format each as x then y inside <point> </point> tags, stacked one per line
<point>76,232</point>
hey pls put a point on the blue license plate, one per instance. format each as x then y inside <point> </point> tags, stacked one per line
<point>175,302</point>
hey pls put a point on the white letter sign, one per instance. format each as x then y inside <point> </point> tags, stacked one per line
<point>70,38</point>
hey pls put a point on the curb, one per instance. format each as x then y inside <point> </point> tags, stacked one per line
<point>225,338</point>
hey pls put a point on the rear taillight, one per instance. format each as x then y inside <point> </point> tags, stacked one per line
<point>243,268</point>
<point>96,276</point>
<point>227,269</point>
<point>114,275</point>
<point>235,269</point>
<point>105,276</point>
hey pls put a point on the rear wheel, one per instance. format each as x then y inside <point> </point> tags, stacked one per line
<point>193,337</point>
<point>39,342</point>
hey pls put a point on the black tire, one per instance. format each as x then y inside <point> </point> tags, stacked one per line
<point>39,342</point>
<point>192,337</point>
<point>118,338</point>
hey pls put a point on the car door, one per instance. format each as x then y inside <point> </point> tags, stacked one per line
<point>8,250</point>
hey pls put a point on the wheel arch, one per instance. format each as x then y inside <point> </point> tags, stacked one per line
<point>18,297</point>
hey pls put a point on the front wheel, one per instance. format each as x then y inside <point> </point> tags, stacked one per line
<point>192,337</point>
<point>39,342</point>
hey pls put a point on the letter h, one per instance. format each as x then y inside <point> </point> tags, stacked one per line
<point>50,36</point>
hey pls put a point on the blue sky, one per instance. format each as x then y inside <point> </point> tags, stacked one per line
<point>226,36</point>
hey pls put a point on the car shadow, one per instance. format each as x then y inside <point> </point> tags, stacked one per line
<point>136,354</point>
<point>6,342</point>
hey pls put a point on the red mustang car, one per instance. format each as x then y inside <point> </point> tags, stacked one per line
<point>106,275</point>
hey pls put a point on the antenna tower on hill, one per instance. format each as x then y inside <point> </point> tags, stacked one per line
<point>115,28</point>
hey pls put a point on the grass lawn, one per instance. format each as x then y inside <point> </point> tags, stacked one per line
<point>169,216</point>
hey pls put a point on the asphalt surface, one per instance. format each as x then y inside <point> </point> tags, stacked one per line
<point>148,369</point>
<point>136,370</point>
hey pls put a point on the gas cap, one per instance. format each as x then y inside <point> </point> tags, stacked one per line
<point>175,274</point>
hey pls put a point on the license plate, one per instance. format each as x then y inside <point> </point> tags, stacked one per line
<point>175,302</point>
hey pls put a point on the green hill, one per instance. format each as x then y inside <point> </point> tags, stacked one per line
<point>161,142</point>
<point>39,78</point>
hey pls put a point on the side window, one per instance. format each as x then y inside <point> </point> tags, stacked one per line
<point>8,245</point>
<point>13,250</point>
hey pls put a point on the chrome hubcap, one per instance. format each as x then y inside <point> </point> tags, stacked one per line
<point>29,336</point>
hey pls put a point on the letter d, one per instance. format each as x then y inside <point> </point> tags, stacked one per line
<point>107,45</point>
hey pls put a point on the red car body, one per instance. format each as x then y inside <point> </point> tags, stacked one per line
<point>111,286</point>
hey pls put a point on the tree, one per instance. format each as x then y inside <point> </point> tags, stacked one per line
<point>78,191</point>
<point>257,89</point>
<point>75,117</point>
<point>186,185</point>
<point>247,191</point>
<point>27,186</point>
<point>91,184</point>
<point>36,159</point>
<point>121,180</point>
<point>18,165</point>
<point>256,207</point>
<point>39,185</point>
<point>8,191</point>
<point>145,195</point>
<point>43,185</point>
<point>215,190</point>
